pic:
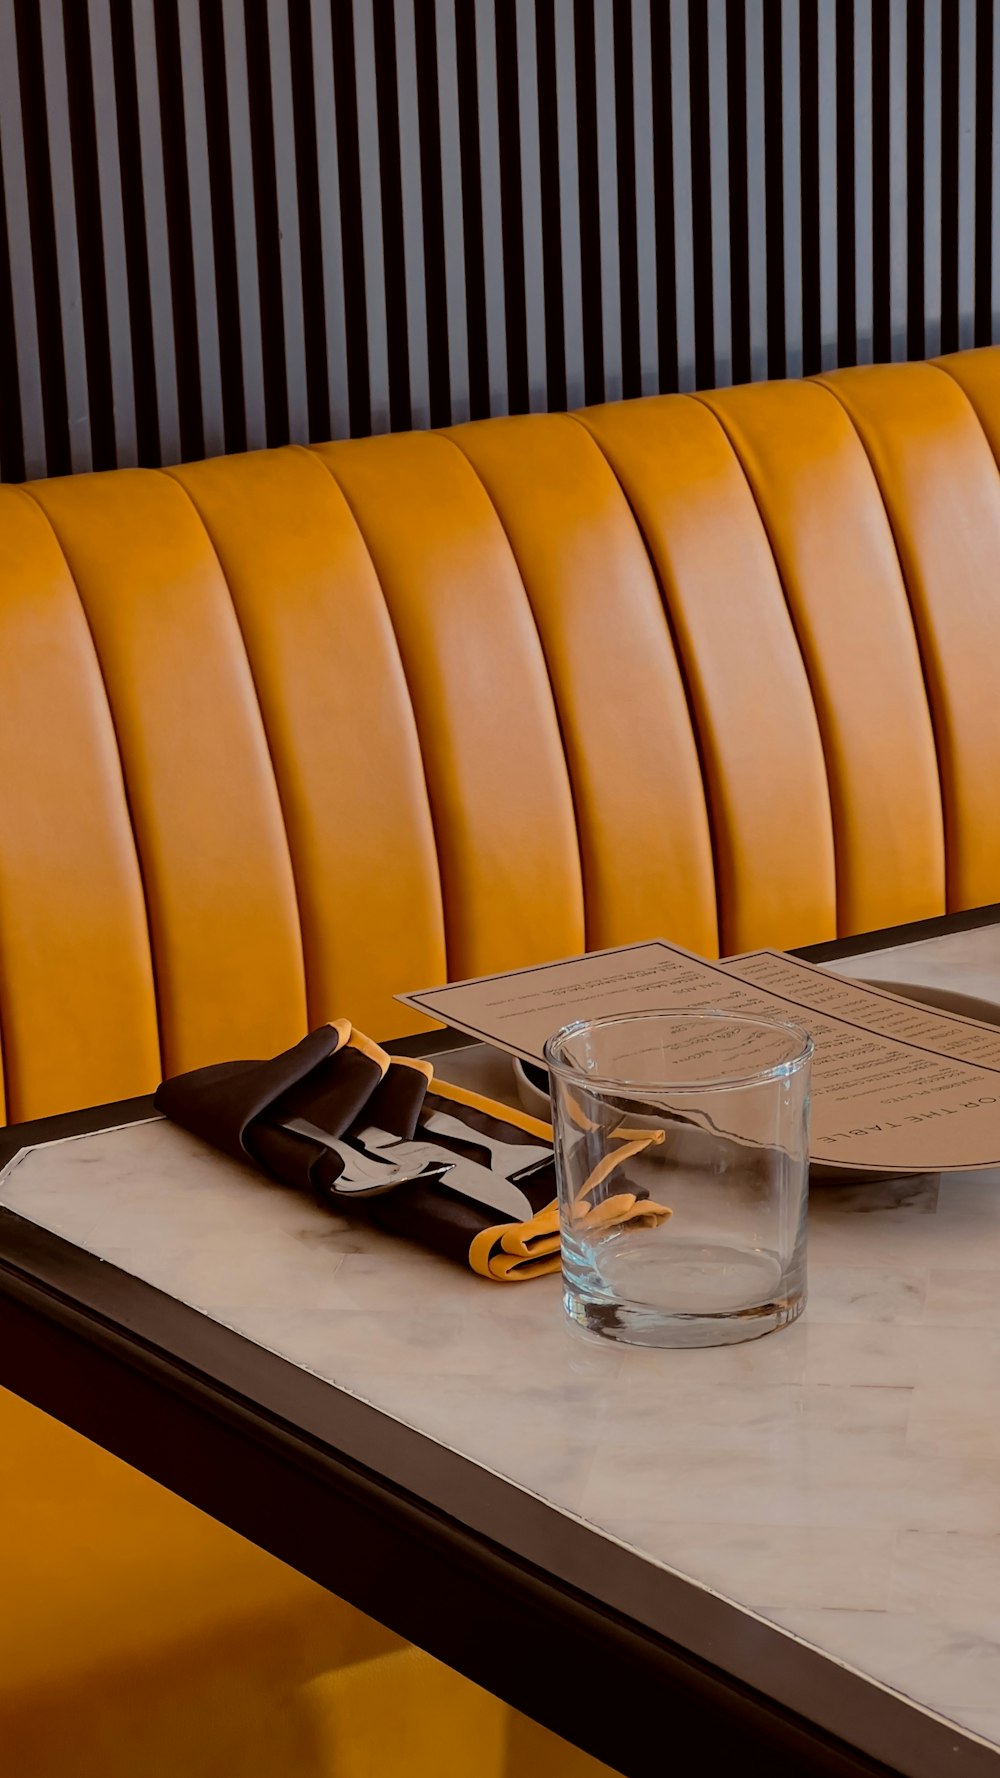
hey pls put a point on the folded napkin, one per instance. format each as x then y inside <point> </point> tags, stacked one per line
<point>283,1114</point>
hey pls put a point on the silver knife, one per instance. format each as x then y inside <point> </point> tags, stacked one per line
<point>469,1178</point>
<point>515,1160</point>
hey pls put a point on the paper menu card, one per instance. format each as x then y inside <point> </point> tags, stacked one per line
<point>896,1087</point>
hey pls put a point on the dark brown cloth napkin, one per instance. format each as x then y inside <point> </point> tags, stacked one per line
<point>340,1082</point>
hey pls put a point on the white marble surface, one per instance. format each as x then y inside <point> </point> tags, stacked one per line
<point>840,1478</point>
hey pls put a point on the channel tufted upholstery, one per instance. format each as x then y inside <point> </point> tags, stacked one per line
<point>283,734</point>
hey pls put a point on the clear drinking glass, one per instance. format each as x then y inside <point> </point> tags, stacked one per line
<point>682,1154</point>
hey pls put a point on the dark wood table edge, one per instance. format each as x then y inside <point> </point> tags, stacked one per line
<point>888,937</point>
<point>588,1650</point>
<point>232,1428</point>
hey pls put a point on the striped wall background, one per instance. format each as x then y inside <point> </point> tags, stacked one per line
<point>226,223</point>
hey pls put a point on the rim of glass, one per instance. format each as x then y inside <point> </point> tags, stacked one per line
<point>680,1015</point>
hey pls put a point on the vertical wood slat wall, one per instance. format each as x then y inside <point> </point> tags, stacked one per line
<point>230,223</point>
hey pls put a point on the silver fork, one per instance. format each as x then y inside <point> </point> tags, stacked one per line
<point>364,1175</point>
<point>388,1161</point>
<point>470,1178</point>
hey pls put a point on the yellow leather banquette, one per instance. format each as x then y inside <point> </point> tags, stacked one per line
<point>283,734</point>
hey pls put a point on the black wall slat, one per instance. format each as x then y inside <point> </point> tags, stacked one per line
<point>881,185</point>
<point>548,132</point>
<point>272,317</point>
<point>628,245</point>
<point>134,221</point>
<point>915,180</point>
<point>812,348</point>
<point>179,231</point>
<point>701,194</point>
<point>663,188</point>
<point>435,275</point>
<point>949,179</point>
<point>86,186</point>
<point>590,211</point>
<point>220,174</point>
<point>51,354</point>
<point>255,220</point>
<point>472,214</point>
<point>349,160</point>
<point>393,253</point>
<point>11,437</point>
<point>847,332</point>
<point>774,193</point>
<point>310,223</point>
<point>984,171</point>
<point>739,243</point>
<point>515,310</point>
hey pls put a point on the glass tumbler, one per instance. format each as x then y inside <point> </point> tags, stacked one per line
<point>682,1156</point>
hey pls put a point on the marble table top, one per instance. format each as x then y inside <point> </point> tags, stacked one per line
<point>839,1479</point>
